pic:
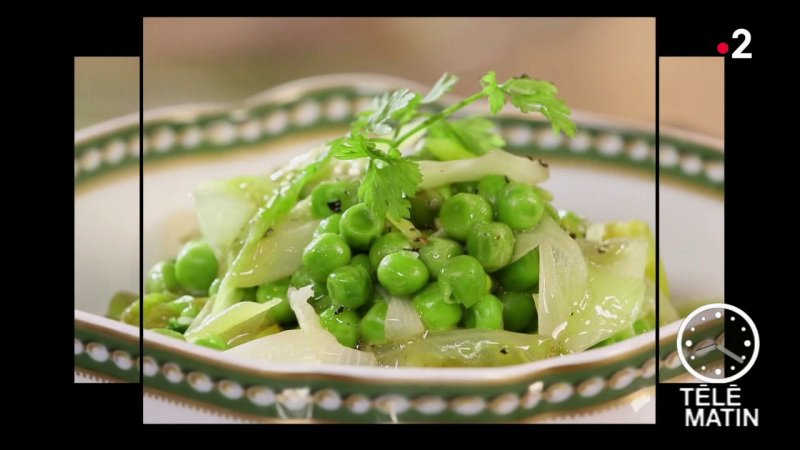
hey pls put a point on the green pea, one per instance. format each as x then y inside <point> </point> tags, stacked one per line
<point>274,289</point>
<point>490,187</point>
<point>168,332</point>
<point>436,252</point>
<point>158,309</point>
<point>362,260</point>
<point>333,197</point>
<point>462,277</point>
<point>435,312</point>
<point>520,206</point>
<point>325,253</point>
<point>574,224</point>
<point>461,211</point>
<point>518,310</point>
<point>350,285</point>
<point>211,341</point>
<point>329,224</point>
<point>303,278</point>
<point>282,312</point>
<point>492,244</point>
<point>196,266</point>
<point>425,207</point>
<point>386,244</point>
<point>522,274</point>
<point>342,323</point>
<point>118,303</point>
<point>402,273</point>
<point>214,288</point>
<point>372,325</point>
<point>359,227</point>
<point>130,314</point>
<point>189,306</point>
<point>486,314</point>
<point>161,277</point>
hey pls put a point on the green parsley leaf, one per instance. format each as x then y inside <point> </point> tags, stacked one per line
<point>407,113</point>
<point>351,147</point>
<point>478,134</point>
<point>528,94</point>
<point>445,83</point>
<point>497,98</point>
<point>390,181</point>
<point>392,178</point>
<point>463,138</point>
<point>385,107</point>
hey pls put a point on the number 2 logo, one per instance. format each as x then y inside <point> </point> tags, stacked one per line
<point>740,53</point>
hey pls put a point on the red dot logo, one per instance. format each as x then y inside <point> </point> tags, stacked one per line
<point>722,48</point>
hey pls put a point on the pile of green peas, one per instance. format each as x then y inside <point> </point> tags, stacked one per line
<point>459,274</point>
<point>175,292</point>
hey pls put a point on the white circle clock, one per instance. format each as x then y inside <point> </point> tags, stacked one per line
<point>738,345</point>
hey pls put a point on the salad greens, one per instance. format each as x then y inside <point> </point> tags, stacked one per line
<point>414,239</point>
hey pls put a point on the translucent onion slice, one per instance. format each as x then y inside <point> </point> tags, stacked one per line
<point>562,274</point>
<point>235,323</point>
<point>517,168</point>
<point>311,344</point>
<point>402,322</point>
<point>468,348</point>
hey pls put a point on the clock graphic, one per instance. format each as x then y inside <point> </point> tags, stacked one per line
<point>724,329</point>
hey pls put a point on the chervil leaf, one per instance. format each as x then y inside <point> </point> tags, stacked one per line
<point>391,178</point>
<point>351,147</point>
<point>497,98</point>
<point>407,113</point>
<point>445,83</point>
<point>385,107</point>
<point>389,183</point>
<point>477,134</point>
<point>529,94</point>
<point>463,138</point>
<point>529,86</point>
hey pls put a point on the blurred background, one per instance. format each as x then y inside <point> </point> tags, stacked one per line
<point>105,87</point>
<point>603,65</point>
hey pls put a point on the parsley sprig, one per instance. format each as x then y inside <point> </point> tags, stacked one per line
<point>391,178</point>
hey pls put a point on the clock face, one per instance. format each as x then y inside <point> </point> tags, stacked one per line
<point>737,346</point>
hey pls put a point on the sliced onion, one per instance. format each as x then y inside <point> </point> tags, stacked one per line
<point>311,344</point>
<point>239,319</point>
<point>307,318</point>
<point>302,346</point>
<point>623,256</point>
<point>562,273</point>
<point>276,256</point>
<point>402,322</point>
<point>517,168</point>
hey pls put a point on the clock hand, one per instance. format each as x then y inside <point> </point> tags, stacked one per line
<point>698,350</point>
<point>730,353</point>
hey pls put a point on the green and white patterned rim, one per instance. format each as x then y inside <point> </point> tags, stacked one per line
<point>190,374</point>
